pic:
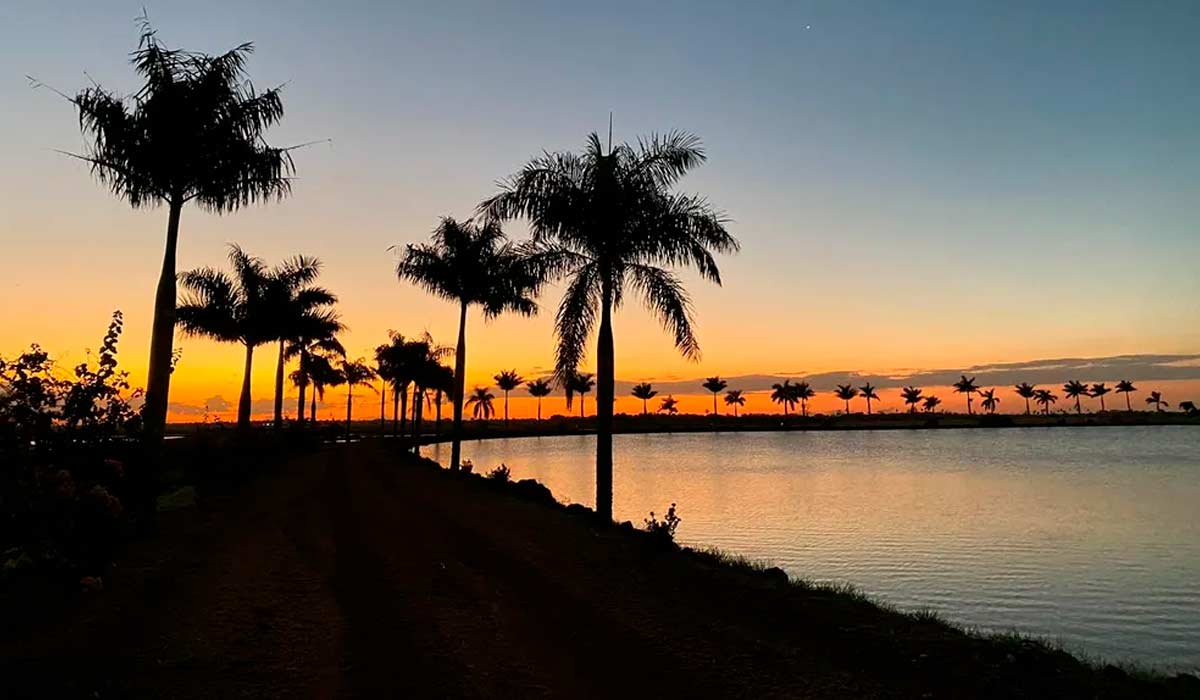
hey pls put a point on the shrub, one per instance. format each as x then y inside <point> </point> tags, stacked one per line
<point>665,528</point>
<point>500,473</point>
<point>467,466</point>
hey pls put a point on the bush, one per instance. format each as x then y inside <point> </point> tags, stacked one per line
<point>500,473</point>
<point>665,528</point>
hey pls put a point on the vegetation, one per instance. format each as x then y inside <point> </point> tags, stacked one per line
<point>481,403</point>
<point>734,399</point>
<point>1026,391</point>
<point>1073,390</point>
<point>645,392</point>
<point>911,396</point>
<point>966,386</point>
<point>1155,399</point>
<point>716,385</point>
<point>1126,387</point>
<point>669,406</point>
<point>354,373</point>
<point>578,383</point>
<point>868,392</point>
<point>664,530</point>
<point>1097,392</point>
<point>539,389</point>
<point>506,381</point>
<point>989,400</point>
<point>846,393</point>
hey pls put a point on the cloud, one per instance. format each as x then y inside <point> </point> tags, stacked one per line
<point>213,404</point>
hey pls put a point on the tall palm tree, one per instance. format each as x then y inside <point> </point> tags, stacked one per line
<point>802,393</point>
<point>355,373</point>
<point>539,389</point>
<point>321,373</point>
<point>1073,390</point>
<point>506,381</point>
<point>912,397</point>
<point>193,132</point>
<point>302,310</point>
<point>990,401</point>
<point>319,338</point>
<point>1155,399</point>
<point>868,393</point>
<point>394,360</point>
<point>1097,392</point>
<point>608,220</point>
<point>1126,387</point>
<point>579,383</point>
<point>966,386</point>
<point>645,392</point>
<point>1044,397</point>
<point>669,406</point>
<point>424,356</point>
<point>481,403</point>
<point>237,309</point>
<point>734,398</point>
<point>930,403</point>
<point>716,385</point>
<point>784,393</point>
<point>1026,391</point>
<point>472,265</point>
<point>846,392</point>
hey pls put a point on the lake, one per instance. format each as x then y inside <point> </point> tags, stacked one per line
<point>1086,536</point>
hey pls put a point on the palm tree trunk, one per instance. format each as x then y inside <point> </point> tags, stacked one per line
<point>847,407</point>
<point>418,414</point>
<point>1078,408</point>
<point>279,388</point>
<point>312,408</point>
<point>1026,405</point>
<point>437,425</point>
<point>1102,409</point>
<point>506,406</point>
<point>243,419</point>
<point>714,403</point>
<point>158,383</point>
<point>539,409</point>
<point>395,412</point>
<point>460,382</point>
<point>605,380</point>
<point>868,407</point>
<point>349,405</point>
<point>382,406</point>
<point>643,407</point>
<point>302,387</point>
<point>1127,406</point>
<point>403,409</point>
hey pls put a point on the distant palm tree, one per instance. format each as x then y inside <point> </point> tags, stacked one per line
<point>669,406</point>
<point>846,393</point>
<point>716,385</point>
<point>1155,399</point>
<point>1097,392</point>
<point>302,311</point>
<point>1126,387</point>
<point>356,373</point>
<point>802,393</point>
<point>930,403</point>
<point>471,265</point>
<point>443,385</point>
<point>506,381</point>
<point>785,394</point>
<point>538,389</point>
<point>1026,391</point>
<point>966,386</point>
<point>912,397</point>
<point>734,398</point>
<point>1073,390</point>
<point>319,338</point>
<point>481,400</point>
<point>193,132</point>
<point>645,392</point>
<point>990,400</point>
<point>1188,407</point>
<point>578,383</point>
<point>237,309</point>
<point>868,393</point>
<point>321,373</point>
<point>605,220</point>
<point>1045,397</point>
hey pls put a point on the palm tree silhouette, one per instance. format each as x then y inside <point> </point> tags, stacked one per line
<point>734,398</point>
<point>481,402</point>
<point>579,383</point>
<point>1188,407</point>
<point>990,400</point>
<point>302,311</point>
<point>605,221</point>
<point>1073,390</point>
<point>1155,399</point>
<point>669,406</point>
<point>193,132</point>
<point>716,385</point>
<point>846,392</point>
<point>1026,391</point>
<point>471,265</point>
<point>1097,392</point>
<point>538,389</point>
<point>645,392</point>
<point>1044,397</point>
<point>506,381</point>
<point>321,373</point>
<point>354,373</point>
<point>930,403</point>
<point>318,336</point>
<point>912,397</point>
<point>1126,387</point>
<point>785,394</point>
<point>966,386</point>
<point>868,393</point>
<point>238,309</point>
<point>803,392</point>
<point>443,385</point>
<point>424,356</point>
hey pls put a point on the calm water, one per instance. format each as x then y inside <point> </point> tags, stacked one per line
<point>1089,536</point>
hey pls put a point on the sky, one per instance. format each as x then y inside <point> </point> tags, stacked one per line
<point>916,186</point>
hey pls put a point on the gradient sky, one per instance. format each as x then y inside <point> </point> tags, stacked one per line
<point>915,185</point>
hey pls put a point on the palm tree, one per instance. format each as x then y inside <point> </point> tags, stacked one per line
<point>1045,397</point>
<point>734,398</point>
<point>319,338</point>
<point>395,362</point>
<point>481,401</point>
<point>236,309</point>
<point>302,311</point>
<point>424,357</point>
<point>538,389</point>
<point>645,392</point>
<point>321,374</point>
<point>1026,391</point>
<point>608,221</point>
<point>966,386</point>
<point>868,393</point>
<point>930,403</point>
<point>354,373</point>
<point>803,392</point>
<point>1073,390</point>
<point>1155,399</point>
<point>990,401</point>
<point>1188,407</point>
<point>1097,392</point>
<point>912,397</point>
<point>443,384</point>
<point>716,385</point>
<point>193,132</point>
<point>579,383</point>
<point>506,381</point>
<point>784,393</point>
<point>845,392</point>
<point>669,406</point>
<point>471,265</point>
<point>1126,387</point>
